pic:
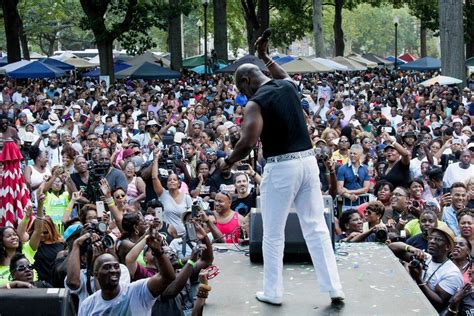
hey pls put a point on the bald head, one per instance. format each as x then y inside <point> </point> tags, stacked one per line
<point>100,260</point>
<point>248,78</point>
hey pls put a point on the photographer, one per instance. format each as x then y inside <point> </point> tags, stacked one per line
<point>190,267</point>
<point>435,274</point>
<point>124,299</point>
<point>81,259</point>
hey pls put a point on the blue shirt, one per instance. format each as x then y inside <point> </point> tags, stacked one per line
<point>450,218</point>
<point>351,180</point>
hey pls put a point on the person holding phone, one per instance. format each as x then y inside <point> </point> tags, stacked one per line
<point>397,170</point>
<point>274,114</point>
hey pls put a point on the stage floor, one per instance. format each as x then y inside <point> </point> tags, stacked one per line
<point>373,280</point>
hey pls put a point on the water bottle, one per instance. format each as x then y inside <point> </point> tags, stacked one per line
<point>370,167</point>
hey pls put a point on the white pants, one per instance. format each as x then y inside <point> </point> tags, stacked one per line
<point>284,184</point>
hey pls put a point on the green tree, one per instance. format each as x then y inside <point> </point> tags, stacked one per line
<point>129,22</point>
<point>12,22</point>
<point>257,19</point>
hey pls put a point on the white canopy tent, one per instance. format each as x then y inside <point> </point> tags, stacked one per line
<point>330,63</point>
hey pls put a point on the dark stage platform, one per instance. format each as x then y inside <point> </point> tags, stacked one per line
<point>373,280</point>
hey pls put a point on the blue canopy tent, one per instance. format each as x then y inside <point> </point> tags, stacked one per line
<point>96,72</point>
<point>200,69</point>
<point>148,71</point>
<point>247,59</point>
<point>35,69</point>
<point>423,64</point>
<point>392,59</point>
<point>57,63</point>
<point>283,59</point>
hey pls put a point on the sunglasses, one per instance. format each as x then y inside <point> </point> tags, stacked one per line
<point>23,268</point>
<point>120,196</point>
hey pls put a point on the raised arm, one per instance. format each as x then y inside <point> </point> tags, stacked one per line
<point>275,70</point>
<point>133,254</point>
<point>154,174</point>
<point>159,282</point>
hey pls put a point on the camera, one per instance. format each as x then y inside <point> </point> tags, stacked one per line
<point>101,230</point>
<point>191,232</point>
<point>381,235</point>
<point>416,263</point>
<point>96,173</point>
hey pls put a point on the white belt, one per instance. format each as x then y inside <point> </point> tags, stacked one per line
<point>291,156</point>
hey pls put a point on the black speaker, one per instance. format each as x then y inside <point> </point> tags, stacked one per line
<point>41,302</point>
<point>295,245</point>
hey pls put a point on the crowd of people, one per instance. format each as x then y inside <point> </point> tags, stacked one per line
<point>128,192</point>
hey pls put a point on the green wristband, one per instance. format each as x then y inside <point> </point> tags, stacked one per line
<point>192,263</point>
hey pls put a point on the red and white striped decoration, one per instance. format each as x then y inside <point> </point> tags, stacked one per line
<point>14,194</point>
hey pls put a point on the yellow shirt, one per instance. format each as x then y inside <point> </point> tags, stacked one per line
<point>337,157</point>
<point>413,227</point>
<point>5,270</point>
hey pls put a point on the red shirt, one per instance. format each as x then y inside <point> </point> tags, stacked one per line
<point>230,229</point>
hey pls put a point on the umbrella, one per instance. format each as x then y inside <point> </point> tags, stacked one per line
<point>148,71</point>
<point>247,59</point>
<point>442,80</point>
<point>14,195</point>
<point>305,65</point>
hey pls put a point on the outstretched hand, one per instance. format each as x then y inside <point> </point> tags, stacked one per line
<point>261,46</point>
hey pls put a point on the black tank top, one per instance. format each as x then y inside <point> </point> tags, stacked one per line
<point>284,127</point>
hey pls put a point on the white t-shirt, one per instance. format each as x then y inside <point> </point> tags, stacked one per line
<point>454,173</point>
<point>172,211</point>
<point>448,276</point>
<point>133,299</point>
<point>82,293</point>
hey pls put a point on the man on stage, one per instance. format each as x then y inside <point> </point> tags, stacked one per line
<point>291,175</point>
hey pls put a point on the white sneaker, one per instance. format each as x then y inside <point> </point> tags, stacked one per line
<point>269,300</point>
<point>337,296</point>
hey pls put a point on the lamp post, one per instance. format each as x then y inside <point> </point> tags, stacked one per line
<point>395,23</point>
<point>199,25</point>
<point>205,3</point>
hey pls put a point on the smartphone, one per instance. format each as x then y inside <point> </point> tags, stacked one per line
<point>159,213</point>
<point>195,211</point>
<point>191,232</point>
<point>446,190</point>
<point>243,167</point>
<point>100,208</point>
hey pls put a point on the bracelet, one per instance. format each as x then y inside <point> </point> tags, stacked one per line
<point>180,262</point>
<point>192,263</point>
<point>25,219</point>
<point>271,62</point>
<point>422,284</point>
<point>407,248</point>
<point>451,311</point>
<point>8,286</point>
<point>111,204</point>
